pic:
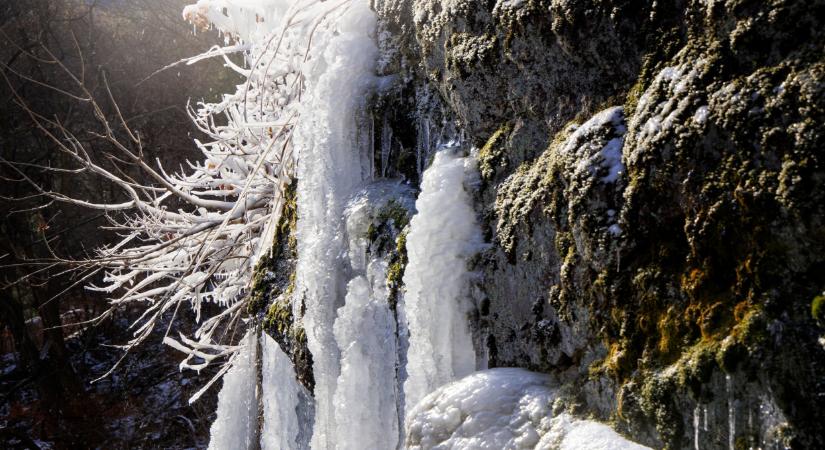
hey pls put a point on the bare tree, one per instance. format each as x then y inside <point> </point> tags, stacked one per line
<point>191,237</point>
<point>122,43</point>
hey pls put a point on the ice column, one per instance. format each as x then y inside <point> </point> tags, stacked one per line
<point>236,426</point>
<point>443,235</point>
<point>328,141</point>
<point>285,402</point>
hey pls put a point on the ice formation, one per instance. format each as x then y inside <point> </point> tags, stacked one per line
<point>443,235</point>
<point>504,409</point>
<point>366,396</point>
<point>287,417</point>
<point>329,170</point>
<point>236,424</point>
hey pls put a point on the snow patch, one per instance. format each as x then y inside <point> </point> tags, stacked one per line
<point>701,115</point>
<point>569,433</point>
<point>611,156</point>
<point>598,142</point>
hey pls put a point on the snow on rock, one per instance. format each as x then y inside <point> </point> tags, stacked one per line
<point>443,235</point>
<point>652,120</point>
<point>503,409</point>
<point>236,424</point>
<point>701,115</point>
<point>598,142</point>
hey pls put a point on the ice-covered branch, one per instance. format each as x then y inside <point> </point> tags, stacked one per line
<point>193,237</point>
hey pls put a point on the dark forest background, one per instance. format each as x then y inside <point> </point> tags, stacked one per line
<point>47,362</point>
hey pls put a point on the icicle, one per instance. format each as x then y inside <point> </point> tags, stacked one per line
<point>443,235</point>
<point>731,413</point>
<point>237,423</point>
<point>366,414</point>
<point>386,145</point>
<point>705,414</point>
<point>425,144</point>
<point>287,404</point>
<point>696,427</point>
<point>366,395</point>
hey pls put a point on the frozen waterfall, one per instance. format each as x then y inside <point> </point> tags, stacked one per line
<point>378,366</point>
<point>329,170</point>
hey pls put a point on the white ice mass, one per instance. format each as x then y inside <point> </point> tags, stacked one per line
<point>443,235</point>
<point>286,413</point>
<point>503,409</point>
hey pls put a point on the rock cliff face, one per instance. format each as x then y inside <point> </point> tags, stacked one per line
<point>652,187</point>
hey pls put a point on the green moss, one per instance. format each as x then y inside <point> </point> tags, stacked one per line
<point>657,400</point>
<point>661,47</point>
<point>634,94</point>
<point>264,280</point>
<point>395,272</point>
<point>466,51</point>
<point>615,364</point>
<point>290,288</point>
<point>818,308</point>
<point>259,293</point>
<point>395,213</point>
<point>697,367</point>
<point>730,355</point>
<point>278,318</point>
<point>388,222</point>
<point>300,336</point>
<point>745,442</point>
<point>492,157</point>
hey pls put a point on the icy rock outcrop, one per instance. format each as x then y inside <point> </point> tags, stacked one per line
<point>670,252</point>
